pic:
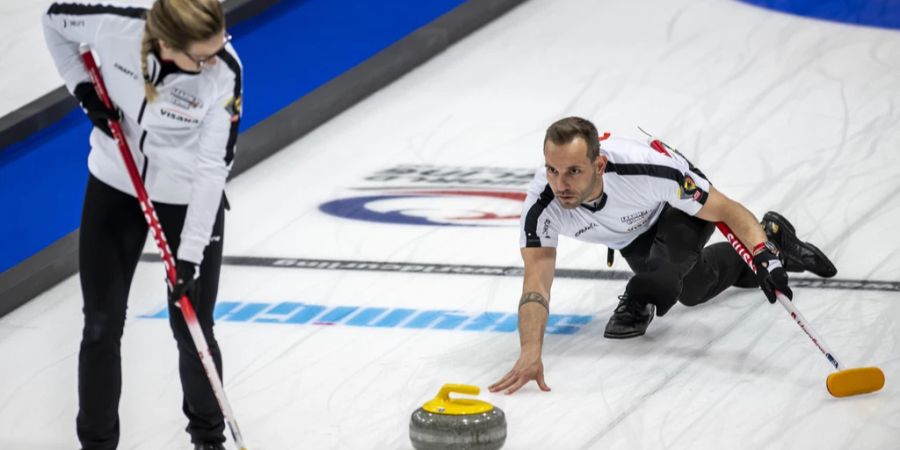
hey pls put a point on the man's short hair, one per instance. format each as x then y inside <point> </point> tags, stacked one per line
<point>564,131</point>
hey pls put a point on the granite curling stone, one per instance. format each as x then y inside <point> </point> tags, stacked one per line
<point>459,424</point>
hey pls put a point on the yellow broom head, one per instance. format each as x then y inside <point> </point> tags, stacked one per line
<point>859,380</point>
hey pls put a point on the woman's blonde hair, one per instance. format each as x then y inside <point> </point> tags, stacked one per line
<point>178,23</point>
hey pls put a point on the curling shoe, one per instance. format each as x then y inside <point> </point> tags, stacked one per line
<point>796,255</point>
<point>630,319</point>
<point>209,446</point>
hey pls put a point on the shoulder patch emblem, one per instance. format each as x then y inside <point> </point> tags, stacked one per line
<point>233,107</point>
<point>688,188</point>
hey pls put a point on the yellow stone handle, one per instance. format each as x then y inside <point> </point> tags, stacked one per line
<point>443,404</point>
<point>467,389</point>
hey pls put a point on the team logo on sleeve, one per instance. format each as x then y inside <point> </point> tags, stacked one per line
<point>688,189</point>
<point>546,230</point>
<point>436,196</point>
<point>233,107</point>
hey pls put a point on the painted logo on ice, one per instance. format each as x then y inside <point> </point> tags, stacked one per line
<point>295,313</point>
<point>437,196</point>
<point>432,207</point>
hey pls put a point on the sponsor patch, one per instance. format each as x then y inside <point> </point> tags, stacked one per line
<point>73,23</point>
<point>586,229</point>
<point>125,70</point>
<point>178,116</point>
<point>184,99</point>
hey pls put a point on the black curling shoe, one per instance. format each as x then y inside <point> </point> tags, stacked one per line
<point>630,319</point>
<point>796,255</point>
<point>209,446</point>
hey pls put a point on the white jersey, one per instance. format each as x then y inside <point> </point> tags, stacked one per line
<point>637,184</point>
<point>183,141</point>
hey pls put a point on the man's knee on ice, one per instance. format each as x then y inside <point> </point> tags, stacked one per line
<point>660,288</point>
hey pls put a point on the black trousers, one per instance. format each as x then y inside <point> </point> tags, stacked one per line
<point>671,264</point>
<point>112,235</point>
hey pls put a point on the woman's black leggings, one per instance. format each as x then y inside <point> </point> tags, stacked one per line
<point>112,235</point>
<point>671,263</point>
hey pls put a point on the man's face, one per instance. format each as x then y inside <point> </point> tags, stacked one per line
<point>573,178</point>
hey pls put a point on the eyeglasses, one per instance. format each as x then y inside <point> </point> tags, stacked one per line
<point>202,61</point>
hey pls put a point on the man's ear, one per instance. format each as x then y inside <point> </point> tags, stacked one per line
<point>600,163</point>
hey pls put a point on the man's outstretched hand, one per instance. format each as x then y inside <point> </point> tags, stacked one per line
<point>525,370</point>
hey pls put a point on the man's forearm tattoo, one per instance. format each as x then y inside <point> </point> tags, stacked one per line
<point>534,297</point>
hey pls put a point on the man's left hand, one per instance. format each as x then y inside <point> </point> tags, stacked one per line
<point>769,272</point>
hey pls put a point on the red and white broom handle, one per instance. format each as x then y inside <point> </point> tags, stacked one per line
<point>187,310</point>
<point>786,302</point>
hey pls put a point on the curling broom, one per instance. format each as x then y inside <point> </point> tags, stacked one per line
<point>841,382</point>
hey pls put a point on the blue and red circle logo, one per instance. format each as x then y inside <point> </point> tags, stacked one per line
<point>462,208</point>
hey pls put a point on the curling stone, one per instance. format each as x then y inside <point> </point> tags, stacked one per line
<point>458,424</point>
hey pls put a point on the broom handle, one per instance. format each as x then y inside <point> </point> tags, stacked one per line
<point>786,302</point>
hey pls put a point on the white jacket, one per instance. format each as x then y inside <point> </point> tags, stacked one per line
<point>182,142</point>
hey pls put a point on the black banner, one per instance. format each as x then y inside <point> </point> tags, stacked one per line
<point>505,271</point>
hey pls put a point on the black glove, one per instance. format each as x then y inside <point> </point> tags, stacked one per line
<point>769,272</point>
<point>96,111</point>
<point>185,273</point>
